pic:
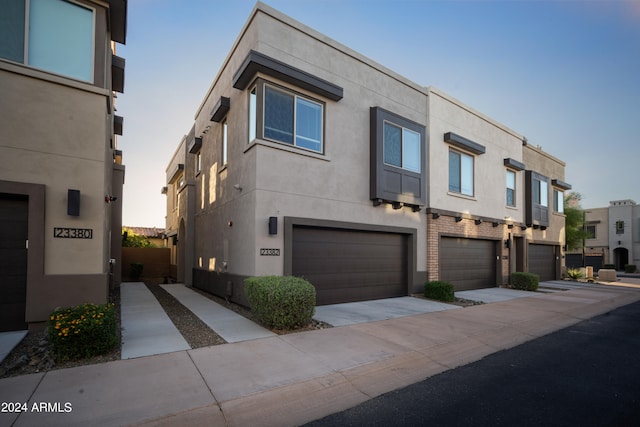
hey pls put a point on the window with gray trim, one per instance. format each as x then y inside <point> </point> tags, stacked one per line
<point>511,188</point>
<point>398,159</point>
<point>558,201</point>
<point>537,200</point>
<point>53,35</point>
<point>286,117</point>
<point>460,173</point>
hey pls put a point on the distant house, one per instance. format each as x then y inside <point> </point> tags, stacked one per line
<point>307,158</point>
<point>155,235</point>
<point>61,174</point>
<point>613,237</point>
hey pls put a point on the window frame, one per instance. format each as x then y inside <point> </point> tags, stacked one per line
<point>403,163</point>
<point>257,109</point>
<point>591,235</point>
<point>460,155</point>
<point>558,201</point>
<point>27,46</point>
<point>514,192</point>
<point>225,142</point>
<point>619,227</point>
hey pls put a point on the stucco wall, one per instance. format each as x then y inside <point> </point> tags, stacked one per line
<point>55,135</point>
<point>447,114</point>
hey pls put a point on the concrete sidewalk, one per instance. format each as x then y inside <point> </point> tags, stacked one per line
<point>293,379</point>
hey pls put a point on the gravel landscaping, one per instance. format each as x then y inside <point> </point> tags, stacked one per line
<point>34,353</point>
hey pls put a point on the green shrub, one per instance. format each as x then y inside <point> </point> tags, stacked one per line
<point>85,330</point>
<point>282,302</point>
<point>575,273</point>
<point>441,291</point>
<point>629,268</point>
<point>136,270</point>
<point>525,281</point>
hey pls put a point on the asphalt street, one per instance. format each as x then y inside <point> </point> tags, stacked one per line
<point>585,375</point>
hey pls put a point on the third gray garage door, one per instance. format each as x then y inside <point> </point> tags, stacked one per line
<point>468,263</point>
<point>350,265</point>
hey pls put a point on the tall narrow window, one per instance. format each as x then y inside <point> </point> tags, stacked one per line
<point>252,114</point>
<point>460,173</point>
<point>558,201</point>
<point>511,188</point>
<point>224,143</point>
<point>619,227</point>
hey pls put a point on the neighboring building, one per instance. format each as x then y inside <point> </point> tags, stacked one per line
<point>155,235</point>
<point>307,158</point>
<point>60,170</point>
<point>614,237</point>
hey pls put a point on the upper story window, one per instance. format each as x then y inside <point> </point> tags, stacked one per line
<point>619,227</point>
<point>53,35</point>
<point>541,192</point>
<point>224,143</point>
<point>558,201</point>
<point>460,173</point>
<point>511,188</point>
<point>286,117</point>
<point>398,161</point>
<point>591,231</point>
<point>537,199</point>
<point>198,162</point>
<point>401,147</point>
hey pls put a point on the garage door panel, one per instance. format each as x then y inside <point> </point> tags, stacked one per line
<point>349,265</point>
<point>542,261</point>
<point>467,263</point>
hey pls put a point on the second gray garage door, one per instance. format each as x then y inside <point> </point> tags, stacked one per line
<point>350,265</point>
<point>542,261</point>
<point>468,263</point>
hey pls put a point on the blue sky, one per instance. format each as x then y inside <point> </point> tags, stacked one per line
<point>565,74</point>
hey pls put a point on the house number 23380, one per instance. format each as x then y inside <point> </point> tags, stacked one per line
<point>73,233</point>
<point>269,252</point>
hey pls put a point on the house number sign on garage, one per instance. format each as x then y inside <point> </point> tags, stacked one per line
<point>269,252</point>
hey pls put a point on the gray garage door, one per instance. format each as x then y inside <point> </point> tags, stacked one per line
<point>468,263</point>
<point>346,265</point>
<point>13,262</point>
<point>542,261</point>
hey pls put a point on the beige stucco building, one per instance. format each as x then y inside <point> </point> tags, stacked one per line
<point>308,158</point>
<point>59,163</point>
<point>613,236</point>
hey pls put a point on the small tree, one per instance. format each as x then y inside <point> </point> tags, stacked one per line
<point>574,228</point>
<point>131,239</point>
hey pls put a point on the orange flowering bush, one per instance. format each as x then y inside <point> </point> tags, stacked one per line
<point>83,331</point>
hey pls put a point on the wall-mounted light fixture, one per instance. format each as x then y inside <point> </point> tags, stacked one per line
<point>273,225</point>
<point>478,221</point>
<point>109,199</point>
<point>507,244</point>
<point>73,202</point>
<point>377,202</point>
<point>495,223</point>
<point>238,187</point>
<point>458,218</point>
<point>523,227</point>
<point>435,215</point>
<point>396,205</point>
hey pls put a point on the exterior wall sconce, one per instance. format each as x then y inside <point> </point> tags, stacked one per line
<point>396,205</point>
<point>458,218</point>
<point>435,215</point>
<point>510,226</point>
<point>377,202</point>
<point>478,221</point>
<point>237,187</point>
<point>73,202</point>
<point>109,199</point>
<point>273,225</point>
<point>523,227</point>
<point>507,244</point>
<point>495,224</point>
